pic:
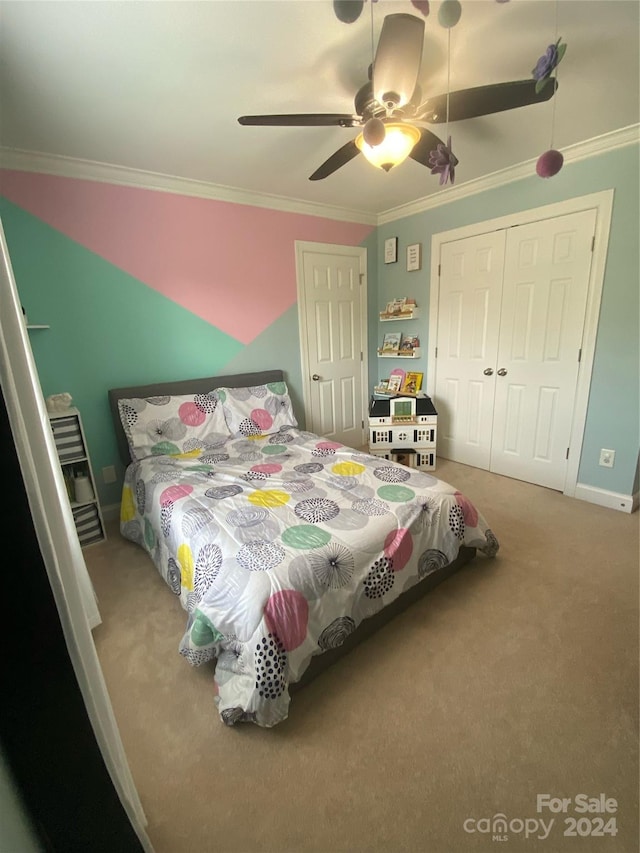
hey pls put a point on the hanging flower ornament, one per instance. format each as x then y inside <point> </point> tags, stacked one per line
<point>547,63</point>
<point>421,6</point>
<point>549,163</point>
<point>443,161</point>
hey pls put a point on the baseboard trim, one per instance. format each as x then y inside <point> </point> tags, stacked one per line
<point>602,497</point>
<point>111,512</point>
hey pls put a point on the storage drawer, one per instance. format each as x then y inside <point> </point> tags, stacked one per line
<point>88,524</point>
<point>68,438</point>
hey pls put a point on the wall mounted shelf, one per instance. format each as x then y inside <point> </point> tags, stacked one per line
<point>406,315</point>
<point>414,353</point>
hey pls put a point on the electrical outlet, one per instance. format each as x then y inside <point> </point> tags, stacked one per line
<point>607,457</point>
<point>109,474</point>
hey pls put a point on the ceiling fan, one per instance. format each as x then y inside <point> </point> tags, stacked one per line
<point>393,98</point>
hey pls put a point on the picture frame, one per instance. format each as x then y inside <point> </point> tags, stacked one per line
<point>414,257</point>
<point>391,342</point>
<point>391,250</point>
<point>412,383</point>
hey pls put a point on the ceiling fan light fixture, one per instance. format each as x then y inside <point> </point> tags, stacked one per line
<point>394,149</point>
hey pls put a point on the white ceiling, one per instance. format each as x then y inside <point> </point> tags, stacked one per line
<point>159,86</point>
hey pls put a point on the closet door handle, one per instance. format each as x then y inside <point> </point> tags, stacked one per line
<point>315,377</point>
<point>502,372</point>
<point>488,371</point>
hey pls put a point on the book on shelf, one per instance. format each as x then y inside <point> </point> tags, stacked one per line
<point>396,380</point>
<point>391,342</point>
<point>382,386</point>
<point>409,343</point>
<point>412,383</point>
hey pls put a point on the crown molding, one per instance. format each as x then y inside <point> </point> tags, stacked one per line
<point>91,170</point>
<point>572,154</point>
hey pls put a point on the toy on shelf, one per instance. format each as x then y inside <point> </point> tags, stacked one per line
<point>400,309</point>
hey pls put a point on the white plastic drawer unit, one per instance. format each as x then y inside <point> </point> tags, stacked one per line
<point>410,435</point>
<point>71,445</point>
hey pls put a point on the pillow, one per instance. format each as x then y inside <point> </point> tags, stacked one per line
<point>258,409</point>
<point>170,426</point>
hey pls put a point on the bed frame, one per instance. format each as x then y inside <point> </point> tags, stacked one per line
<point>241,380</point>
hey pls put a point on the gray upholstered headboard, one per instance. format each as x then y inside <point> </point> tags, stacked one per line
<point>183,386</point>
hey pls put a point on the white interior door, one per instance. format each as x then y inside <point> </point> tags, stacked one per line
<point>510,323</point>
<point>546,278</point>
<point>332,310</point>
<point>471,276</point>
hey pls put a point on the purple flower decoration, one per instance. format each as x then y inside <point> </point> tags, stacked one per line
<point>443,161</point>
<point>546,64</point>
<point>422,6</point>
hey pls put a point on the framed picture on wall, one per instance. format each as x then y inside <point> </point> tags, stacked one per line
<point>414,257</point>
<point>391,250</point>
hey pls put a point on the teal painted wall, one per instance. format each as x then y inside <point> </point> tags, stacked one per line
<point>101,319</point>
<point>614,404</point>
<point>109,329</point>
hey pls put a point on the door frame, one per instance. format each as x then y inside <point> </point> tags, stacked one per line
<point>302,246</point>
<point>602,202</point>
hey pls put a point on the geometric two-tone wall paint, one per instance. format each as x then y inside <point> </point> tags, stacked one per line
<point>140,285</point>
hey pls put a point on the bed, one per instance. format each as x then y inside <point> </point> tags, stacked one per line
<point>285,549</point>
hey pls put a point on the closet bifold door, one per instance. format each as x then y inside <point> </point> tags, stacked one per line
<point>471,279</point>
<point>544,298</point>
<point>510,325</point>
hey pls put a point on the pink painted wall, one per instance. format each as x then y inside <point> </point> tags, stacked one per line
<point>231,264</point>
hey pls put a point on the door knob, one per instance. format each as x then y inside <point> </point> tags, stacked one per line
<point>502,372</point>
<point>315,377</point>
<point>488,371</point>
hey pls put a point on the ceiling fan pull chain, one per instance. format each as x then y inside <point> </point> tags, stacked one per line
<point>553,106</point>
<point>448,77</point>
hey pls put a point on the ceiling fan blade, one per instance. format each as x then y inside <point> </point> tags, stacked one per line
<point>303,120</point>
<point>397,61</point>
<point>485,100</point>
<point>338,158</point>
<point>427,143</point>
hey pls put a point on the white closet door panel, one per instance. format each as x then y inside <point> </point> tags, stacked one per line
<point>471,273</point>
<point>546,278</point>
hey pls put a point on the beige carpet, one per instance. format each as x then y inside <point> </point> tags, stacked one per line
<point>516,677</point>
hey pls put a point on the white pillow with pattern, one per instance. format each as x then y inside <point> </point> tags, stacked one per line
<point>182,425</point>
<point>258,409</point>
